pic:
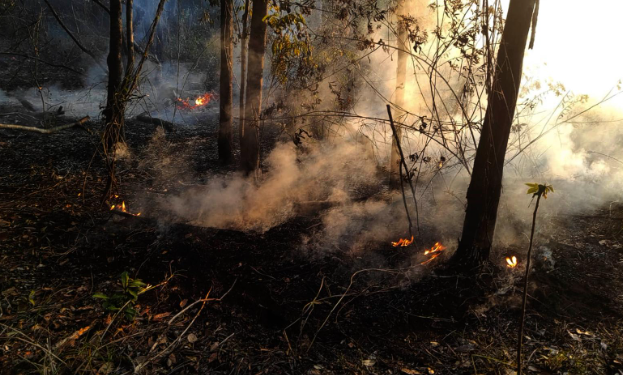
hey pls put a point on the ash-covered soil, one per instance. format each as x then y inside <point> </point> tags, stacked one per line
<point>261,303</point>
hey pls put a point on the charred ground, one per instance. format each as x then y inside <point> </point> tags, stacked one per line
<point>285,310</point>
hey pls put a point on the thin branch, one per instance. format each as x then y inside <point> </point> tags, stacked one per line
<point>42,61</point>
<point>102,6</point>
<point>45,131</point>
<point>406,170</point>
<point>71,35</point>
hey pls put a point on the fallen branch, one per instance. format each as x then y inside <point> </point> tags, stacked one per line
<point>147,118</point>
<point>124,214</point>
<point>46,131</point>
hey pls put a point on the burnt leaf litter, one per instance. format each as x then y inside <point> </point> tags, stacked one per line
<point>223,301</point>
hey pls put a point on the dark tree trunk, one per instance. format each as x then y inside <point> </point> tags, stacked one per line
<point>115,65</point>
<point>243,67</point>
<point>129,28</point>
<point>401,77</point>
<point>483,194</point>
<point>250,143</point>
<point>225,123</point>
<point>114,111</point>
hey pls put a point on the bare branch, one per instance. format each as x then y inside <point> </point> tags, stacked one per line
<point>102,6</point>
<point>46,131</point>
<point>42,61</point>
<point>71,35</point>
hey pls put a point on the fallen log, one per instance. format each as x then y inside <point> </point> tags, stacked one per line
<point>46,131</point>
<point>167,125</point>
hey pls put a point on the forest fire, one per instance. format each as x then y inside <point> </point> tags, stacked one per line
<point>200,101</point>
<point>123,208</point>
<point>403,242</point>
<point>434,252</point>
<point>511,262</point>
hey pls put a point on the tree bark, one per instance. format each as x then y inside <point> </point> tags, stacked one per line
<point>225,123</point>
<point>483,194</point>
<point>129,28</point>
<point>401,76</point>
<point>250,145</point>
<point>243,67</point>
<point>114,111</point>
<point>115,65</point>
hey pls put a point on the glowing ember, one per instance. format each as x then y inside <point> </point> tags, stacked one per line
<point>199,101</point>
<point>511,262</point>
<point>123,208</point>
<point>403,242</point>
<point>434,252</point>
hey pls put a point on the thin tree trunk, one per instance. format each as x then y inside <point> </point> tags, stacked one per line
<point>129,28</point>
<point>483,194</point>
<point>243,67</point>
<point>225,123</point>
<point>114,111</point>
<point>119,90</point>
<point>401,75</point>
<point>250,145</point>
<point>522,319</point>
<point>115,65</point>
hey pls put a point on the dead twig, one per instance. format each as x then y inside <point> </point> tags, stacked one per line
<point>79,123</point>
<point>407,175</point>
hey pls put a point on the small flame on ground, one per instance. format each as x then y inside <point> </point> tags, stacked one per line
<point>122,208</point>
<point>200,101</point>
<point>511,262</point>
<point>403,242</point>
<point>434,252</point>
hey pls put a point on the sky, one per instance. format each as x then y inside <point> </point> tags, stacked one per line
<point>579,44</point>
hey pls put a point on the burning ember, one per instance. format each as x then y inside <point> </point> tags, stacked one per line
<point>122,208</point>
<point>198,102</point>
<point>403,242</point>
<point>511,262</point>
<point>434,252</point>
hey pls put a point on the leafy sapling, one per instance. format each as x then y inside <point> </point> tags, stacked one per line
<point>538,191</point>
<point>124,300</point>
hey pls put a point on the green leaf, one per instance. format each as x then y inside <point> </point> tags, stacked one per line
<point>124,279</point>
<point>133,294</point>
<point>31,297</point>
<point>137,283</point>
<point>100,295</point>
<point>130,313</point>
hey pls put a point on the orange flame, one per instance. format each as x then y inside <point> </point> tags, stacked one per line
<point>123,208</point>
<point>403,242</point>
<point>434,252</point>
<point>200,101</point>
<point>511,262</point>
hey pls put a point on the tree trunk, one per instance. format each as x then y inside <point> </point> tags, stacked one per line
<point>129,28</point>
<point>225,124</point>
<point>483,194</point>
<point>243,67</point>
<point>115,65</point>
<point>401,76</point>
<point>250,143</point>
<point>114,111</point>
